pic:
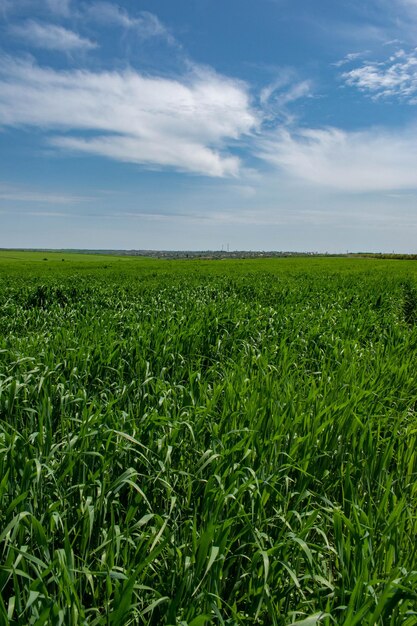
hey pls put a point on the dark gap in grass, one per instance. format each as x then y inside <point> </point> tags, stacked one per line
<point>409,304</point>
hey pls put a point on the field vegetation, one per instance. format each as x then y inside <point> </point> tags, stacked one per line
<point>207,442</point>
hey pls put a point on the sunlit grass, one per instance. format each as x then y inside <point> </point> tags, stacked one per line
<point>196,443</point>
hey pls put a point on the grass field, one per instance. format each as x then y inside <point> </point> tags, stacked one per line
<point>207,442</point>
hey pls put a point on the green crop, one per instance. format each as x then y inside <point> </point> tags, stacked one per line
<point>207,442</point>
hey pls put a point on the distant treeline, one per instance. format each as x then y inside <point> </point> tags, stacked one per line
<point>406,257</point>
<point>218,254</point>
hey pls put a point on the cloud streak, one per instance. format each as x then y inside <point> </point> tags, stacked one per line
<point>59,7</point>
<point>10,193</point>
<point>51,37</point>
<point>186,123</point>
<point>276,98</point>
<point>146,25</point>
<point>368,161</point>
<point>280,93</point>
<point>349,58</point>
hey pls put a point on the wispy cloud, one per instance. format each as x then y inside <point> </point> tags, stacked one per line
<point>51,36</point>
<point>284,77</point>
<point>186,123</point>
<point>284,90</point>
<point>48,9</point>
<point>18,194</point>
<point>372,160</point>
<point>348,58</point>
<point>5,6</point>
<point>282,94</point>
<point>59,7</point>
<point>144,24</point>
<point>47,214</point>
<point>409,4</point>
<point>297,91</point>
<point>394,77</point>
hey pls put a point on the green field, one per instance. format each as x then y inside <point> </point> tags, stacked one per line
<point>207,442</point>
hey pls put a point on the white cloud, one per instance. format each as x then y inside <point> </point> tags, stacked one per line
<point>185,156</point>
<point>185,123</point>
<point>395,77</point>
<point>373,160</point>
<point>51,37</point>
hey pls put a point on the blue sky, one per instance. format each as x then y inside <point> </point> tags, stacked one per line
<point>262,125</point>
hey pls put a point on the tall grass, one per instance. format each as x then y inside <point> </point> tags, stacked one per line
<point>191,446</point>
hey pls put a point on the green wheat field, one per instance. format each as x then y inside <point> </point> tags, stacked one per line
<point>207,442</point>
